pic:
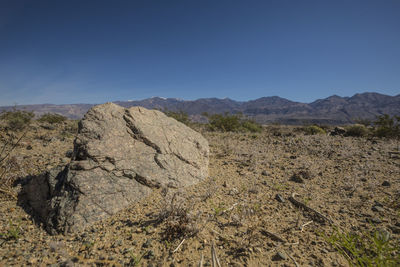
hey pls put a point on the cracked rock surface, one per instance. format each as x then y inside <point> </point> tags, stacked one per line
<point>119,156</point>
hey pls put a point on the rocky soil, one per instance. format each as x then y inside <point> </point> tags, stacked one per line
<point>247,211</point>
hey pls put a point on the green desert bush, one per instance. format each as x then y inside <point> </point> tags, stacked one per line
<point>313,129</point>
<point>366,249</point>
<point>13,232</point>
<point>17,119</point>
<point>251,126</point>
<point>232,123</point>
<point>52,118</point>
<point>357,130</point>
<point>180,116</point>
<point>224,123</point>
<point>387,126</point>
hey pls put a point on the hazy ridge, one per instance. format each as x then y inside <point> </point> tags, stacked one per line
<point>330,110</point>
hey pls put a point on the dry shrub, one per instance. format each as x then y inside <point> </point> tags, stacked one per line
<point>180,221</point>
<point>357,130</point>
<point>52,118</point>
<point>8,164</point>
<point>17,120</point>
<point>312,130</point>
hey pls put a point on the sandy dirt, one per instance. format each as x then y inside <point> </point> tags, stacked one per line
<point>246,209</point>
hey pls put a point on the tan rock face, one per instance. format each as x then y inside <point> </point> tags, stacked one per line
<point>119,156</point>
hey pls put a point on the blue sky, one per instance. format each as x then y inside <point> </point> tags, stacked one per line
<point>97,51</point>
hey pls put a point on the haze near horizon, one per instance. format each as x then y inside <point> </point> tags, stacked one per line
<point>63,52</point>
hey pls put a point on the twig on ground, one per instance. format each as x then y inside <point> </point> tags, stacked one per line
<point>180,244</point>
<point>305,224</point>
<point>304,206</point>
<point>295,262</point>
<point>214,257</point>
<point>272,235</point>
<point>201,260</point>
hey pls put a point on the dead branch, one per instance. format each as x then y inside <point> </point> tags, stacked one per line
<point>305,224</point>
<point>295,262</point>
<point>272,235</point>
<point>12,148</point>
<point>304,206</point>
<point>214,257</point>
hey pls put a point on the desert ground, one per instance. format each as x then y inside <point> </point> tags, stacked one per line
<point>275,198</point>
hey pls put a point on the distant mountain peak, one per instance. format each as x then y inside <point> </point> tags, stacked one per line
<point>331,110</point>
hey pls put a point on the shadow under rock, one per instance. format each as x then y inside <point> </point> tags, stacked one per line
<point>36,194</point>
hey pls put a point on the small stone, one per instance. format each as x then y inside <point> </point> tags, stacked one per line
<point>279,198</point>
<point>378,208</point>
<point>374,220</point>
<point>386,183</point>
<point>296,179</point>
<point>233,191</point>
<point>150,231</point>
<point>150,254</point>
<point>69,153</point>
<point>383,234</point>
<point>279,256</point>
<point>147,244</point>
<point>138,230</point>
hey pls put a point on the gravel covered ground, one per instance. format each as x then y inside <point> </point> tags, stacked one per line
<point>272,199</point>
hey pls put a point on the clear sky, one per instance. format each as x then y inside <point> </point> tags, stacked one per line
<point>82,51</point>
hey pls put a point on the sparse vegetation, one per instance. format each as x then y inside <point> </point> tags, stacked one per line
<point>232,123</point>
<point>367,249</point>
<point>52,118</point>
<point>13,232</point>
<point>313,129</point>
<point>17,120</point>
<point>135,260</point>
<point>236,208</point>
<point>357,130</point>
<point>180,116</point>
<point>387,126</point>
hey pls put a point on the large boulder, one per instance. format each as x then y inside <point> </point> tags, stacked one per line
<point>119,156</point>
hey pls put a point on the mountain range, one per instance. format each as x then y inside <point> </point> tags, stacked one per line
<point>331,110</point>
